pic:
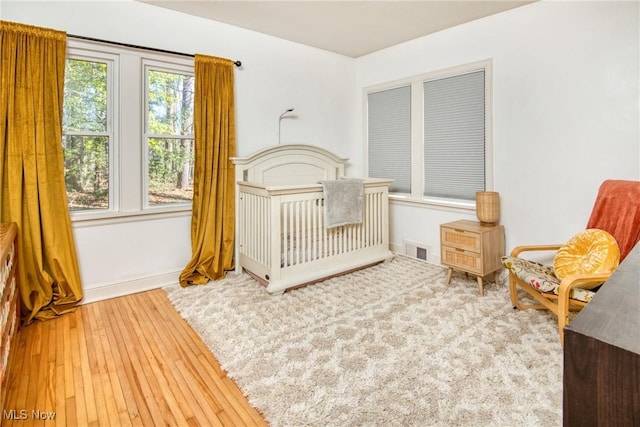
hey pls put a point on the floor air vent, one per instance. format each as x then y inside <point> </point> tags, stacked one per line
<point>416,250</point>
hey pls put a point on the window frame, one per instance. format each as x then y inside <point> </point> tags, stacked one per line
<point>416,197</point>
<point>127,152</point>
<point>84,53</point>
<point>155,65</point>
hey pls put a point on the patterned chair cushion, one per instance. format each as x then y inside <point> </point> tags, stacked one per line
<point>541,277</point>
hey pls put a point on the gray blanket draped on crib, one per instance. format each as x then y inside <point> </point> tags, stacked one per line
<point>343,200</point>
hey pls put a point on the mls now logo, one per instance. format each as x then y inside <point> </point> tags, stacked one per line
<point>23,414</point>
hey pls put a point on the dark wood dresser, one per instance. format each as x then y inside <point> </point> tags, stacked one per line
<point>602,354</point>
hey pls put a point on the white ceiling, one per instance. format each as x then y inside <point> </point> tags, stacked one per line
<point>351,28</point>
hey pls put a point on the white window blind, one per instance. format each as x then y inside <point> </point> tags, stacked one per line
<point>454,136</point>
<point>389,134</point>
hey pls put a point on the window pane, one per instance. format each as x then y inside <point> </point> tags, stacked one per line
<point>170,171</point>
<point>170,108</point>
<point>389,133</point>
<point>85,96</point>
<point>86,167</point>
<point>454,136</point>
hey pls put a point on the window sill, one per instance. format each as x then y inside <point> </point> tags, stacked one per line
<point>90,219</point>
<point>440,204</point>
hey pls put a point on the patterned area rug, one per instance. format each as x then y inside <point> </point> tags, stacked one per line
<point>390,345</point>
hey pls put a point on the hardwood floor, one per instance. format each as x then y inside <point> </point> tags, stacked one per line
<point>126,361</point>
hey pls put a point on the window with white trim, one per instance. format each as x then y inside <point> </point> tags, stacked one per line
<point>88,124</point>
<point>127,131</point>
<point>432,135</point>
<point>168,136</point>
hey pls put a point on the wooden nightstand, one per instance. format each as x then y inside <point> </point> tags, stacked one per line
<point>473,248</point>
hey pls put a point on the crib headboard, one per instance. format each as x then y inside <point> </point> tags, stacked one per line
<point>289,164</point>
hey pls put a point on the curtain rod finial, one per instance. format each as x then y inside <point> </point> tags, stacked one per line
<point>238,63</point>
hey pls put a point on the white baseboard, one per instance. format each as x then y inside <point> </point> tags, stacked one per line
<point>114,290</point>
<point>396,248</point>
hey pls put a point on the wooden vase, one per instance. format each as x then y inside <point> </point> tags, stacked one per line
<point>488,207</point>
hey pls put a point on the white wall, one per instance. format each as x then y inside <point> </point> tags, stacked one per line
<point>565,114</point>
<point>117,258</point>
<point>565,111</point>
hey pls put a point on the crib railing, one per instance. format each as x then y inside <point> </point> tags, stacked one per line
<point>285,225</point>
<point>305,238</point>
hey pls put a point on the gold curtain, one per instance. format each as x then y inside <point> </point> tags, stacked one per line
<point>212,222</point>
<point>33,192</point>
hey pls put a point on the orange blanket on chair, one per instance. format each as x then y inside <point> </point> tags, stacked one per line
<point>617,211</point>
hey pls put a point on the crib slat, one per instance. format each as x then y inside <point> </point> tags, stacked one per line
<point>377,216</point>
<point>264,215</point>
<point>265,224</point>
<point>250,227</point>
<point>375,219</point>
<point>307,229</point>
<point>292,236</point>
<point>314,228</point>
<point>254,229</point>
<point>261,233</point>
<point>367,230</point>
<point>287,243</point>
<point>322,232</point>
<point>300,232</point>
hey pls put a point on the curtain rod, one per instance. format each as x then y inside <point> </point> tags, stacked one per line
<point>236,63</point>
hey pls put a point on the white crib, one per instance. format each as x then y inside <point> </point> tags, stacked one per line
<point>280,235</point>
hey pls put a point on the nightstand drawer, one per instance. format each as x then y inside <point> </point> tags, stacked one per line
<point>462,239</point>
<point>462,260</point>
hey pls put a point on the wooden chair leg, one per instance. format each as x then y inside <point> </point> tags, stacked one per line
<point>563,313</point>
<point>513,292</point>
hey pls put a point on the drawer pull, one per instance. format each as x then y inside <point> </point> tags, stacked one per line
<point>459,250</point>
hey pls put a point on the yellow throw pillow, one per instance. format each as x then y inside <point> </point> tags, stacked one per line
<point>590,251</point>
